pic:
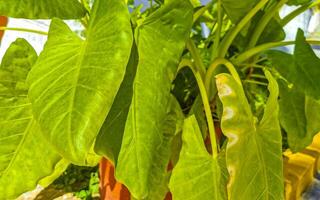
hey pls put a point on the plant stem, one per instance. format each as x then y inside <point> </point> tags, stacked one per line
<point>206,104</point>
<point>86,4</point>
<point>196,56</point>
<point>216,42</point>
<point>255,82</point>
<point>263,22</point>
<point>297,12</point>
<point>200,12</point>
<point>213,67</point>
<point>227,41</point>
<point>257,76</point>
<point>3,28</point>
<point>258,49</point>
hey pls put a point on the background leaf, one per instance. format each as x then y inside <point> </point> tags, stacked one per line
<point>236,10</point>
<point>25,155</point>
<point>252,148</point>
<point>42,9</point>
<point>197,173</point>
<point>299,116</point>
<point>301,69</point>
<point>74,82</point>
<point>160,40</point>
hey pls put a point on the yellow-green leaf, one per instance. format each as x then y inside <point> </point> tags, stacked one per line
<point>197,174</point>
<point>25,155</point>
<point>74,82</point>
<point>160,41</point>
<point>42,9</point>
<point>254,150</point>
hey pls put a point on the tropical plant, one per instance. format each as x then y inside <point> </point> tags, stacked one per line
<point>147,90</point>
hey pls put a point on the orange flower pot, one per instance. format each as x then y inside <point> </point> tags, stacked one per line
<point>110,189</point>
<point>3,23</point>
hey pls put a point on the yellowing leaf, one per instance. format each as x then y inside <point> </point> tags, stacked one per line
<point>254,150</point>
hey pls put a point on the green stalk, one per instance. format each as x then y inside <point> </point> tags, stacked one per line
<point>206,104</point>
<point>297,12</point>
<point>227,41</point>
<point>264,21</point>
<point>258,49</point>
<point>213,67</point>
<point>256,82</point>
<point>85,3</point>
<point>218,33</point>
<point>3,28</point>
<point>196,56</point>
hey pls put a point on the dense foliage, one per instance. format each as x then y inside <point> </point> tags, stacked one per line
<point>204,117</point>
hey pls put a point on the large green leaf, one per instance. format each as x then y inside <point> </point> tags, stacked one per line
<point>299,116</point>
<point>160,40</point>
<point>25,155</point>
<point>254,154</point>
<point>108,142</point>
<point>173,124</point>
<point>42,9</point>
<point>74,82</point>
<point>302,69</point>
<point>197,173</point>
<point>236,9</point>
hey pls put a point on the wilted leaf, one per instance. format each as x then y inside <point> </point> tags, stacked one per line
<point>74,82</point>
<point>254,154</point>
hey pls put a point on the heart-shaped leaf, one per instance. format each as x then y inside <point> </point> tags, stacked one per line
<point>74,82</point>
<point>25,155</point>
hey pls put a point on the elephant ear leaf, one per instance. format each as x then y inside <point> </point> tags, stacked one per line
<point>74,82</point>
<point>250,145</point>
<point>301,69</point>
<point>42,9</point>
<point>197,173</point>
<point>25,155</point>
<point>299,116</point>
<point>236,10</point>
<point>108,142</point>
<point>160,41</point>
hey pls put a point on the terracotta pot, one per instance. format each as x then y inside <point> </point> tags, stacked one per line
<point>110,189</point>
<point>3,22</point>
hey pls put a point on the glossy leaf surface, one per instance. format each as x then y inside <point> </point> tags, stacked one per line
<point>254,150</point>
<point>197,173</point>
<point>25,156</point>
<point>74,82</point>
<point>160,40</point>
<point>299,116</point>
<point>42,9</point>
